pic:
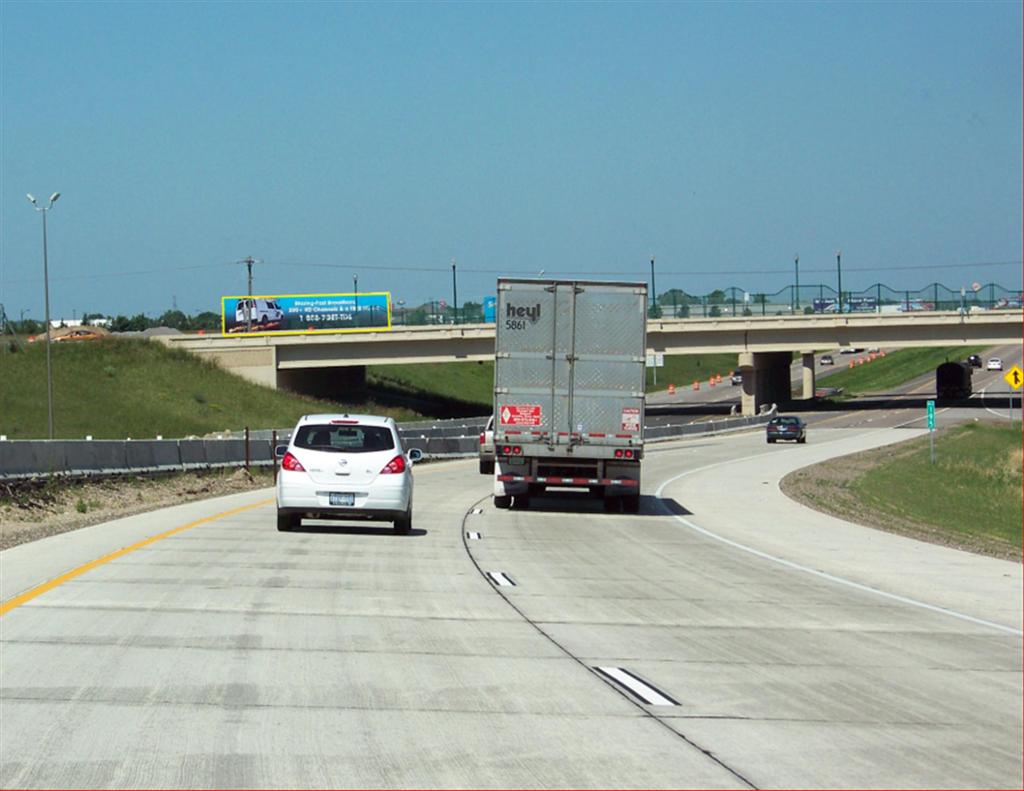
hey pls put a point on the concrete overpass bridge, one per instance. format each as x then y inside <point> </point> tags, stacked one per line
<point>329,364</point>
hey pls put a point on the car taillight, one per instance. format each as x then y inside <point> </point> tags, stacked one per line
<point>291,464</point>
<point>397,464</point>
<point>481,438</point>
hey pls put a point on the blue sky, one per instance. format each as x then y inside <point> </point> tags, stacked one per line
<point>383,140</point>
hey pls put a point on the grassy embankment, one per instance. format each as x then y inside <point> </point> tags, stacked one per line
<point>473,383</point>
<point>116,388</point>
<point>896,368</point>
<point>970,497</point>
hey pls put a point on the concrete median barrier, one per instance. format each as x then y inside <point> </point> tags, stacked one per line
<point>27,458</point>
<point>31,457</point>
<point>225,452</point>
<point>192,453</point>
<point>93,456</point>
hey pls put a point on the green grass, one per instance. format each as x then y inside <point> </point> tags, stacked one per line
<point>883,374</point>
<point>468,382</point>
<point>473,383</point>
<point>116,388</point>
<point>973,489</point>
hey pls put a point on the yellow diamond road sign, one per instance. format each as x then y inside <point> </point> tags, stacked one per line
<point>1014,377</point>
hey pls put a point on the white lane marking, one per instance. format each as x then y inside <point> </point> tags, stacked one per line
<point>999,415</point>
<point>823,575</point>
<point>478,510</point>
<point>500,578</point>
<point>472,536</point>
<point>640,689</point>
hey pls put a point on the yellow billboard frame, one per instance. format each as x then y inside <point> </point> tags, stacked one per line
<point>334,331</point>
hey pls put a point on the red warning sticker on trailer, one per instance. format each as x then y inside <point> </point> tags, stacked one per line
<point>631,418</point>
<point>520,415</point>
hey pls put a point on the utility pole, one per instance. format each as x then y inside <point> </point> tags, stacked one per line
<point>249,261</point>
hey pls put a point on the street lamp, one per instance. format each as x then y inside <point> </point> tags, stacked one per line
<point>796,291</point>
<point>839,272</point>
<point>455,297</point>
<point>654,290</point>
<point>401,310</point>
<point>46,295</point>
<point>355,293</point>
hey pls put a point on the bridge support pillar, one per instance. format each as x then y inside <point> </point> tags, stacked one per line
<point>334,383</point>
<point>765,380</point>
<point>808,374</point>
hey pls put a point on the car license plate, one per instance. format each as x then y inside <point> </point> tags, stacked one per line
<point>342,498</point>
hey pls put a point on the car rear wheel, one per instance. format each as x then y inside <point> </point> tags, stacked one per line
<point>403,525</point>
<point>286,522</point>
<point>502,501</point>
<point>486,467</point>
<point>771,441</point>
<point>802,440</point>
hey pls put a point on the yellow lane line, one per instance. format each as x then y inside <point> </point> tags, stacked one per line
<point>17,601</point>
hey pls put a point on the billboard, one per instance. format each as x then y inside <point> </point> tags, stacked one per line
<point>305,314</point>
<point>851,305</point>
<point>490,306</point>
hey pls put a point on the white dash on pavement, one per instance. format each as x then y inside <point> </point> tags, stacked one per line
<point>500,578</point>
<point>639,689</point>
<point>472,536</point>
<point>478,510</point>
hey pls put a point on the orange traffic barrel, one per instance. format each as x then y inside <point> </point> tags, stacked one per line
<point>671,389</point>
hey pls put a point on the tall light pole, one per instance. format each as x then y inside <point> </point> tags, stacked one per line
<point>355,292</point>
<point>46,295</point>
<point>796,292</point>
<point>455,296</point>
<point>839,273</point>
<point>654,290</point>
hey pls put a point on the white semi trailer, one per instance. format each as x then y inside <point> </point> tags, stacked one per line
<point>569,377</point>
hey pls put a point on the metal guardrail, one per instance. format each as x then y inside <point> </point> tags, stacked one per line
<point>32,457</point>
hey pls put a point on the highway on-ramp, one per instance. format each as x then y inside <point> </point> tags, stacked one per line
<point>723,637</point>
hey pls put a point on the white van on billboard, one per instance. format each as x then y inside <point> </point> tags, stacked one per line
<point>258,310</point>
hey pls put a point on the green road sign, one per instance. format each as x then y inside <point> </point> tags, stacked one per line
<point>931,415</point>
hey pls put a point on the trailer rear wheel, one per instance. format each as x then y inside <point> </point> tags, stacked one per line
<point>502,501</point>
<point>522,502</point>
<point>631,504</point>
<point>612,504</point>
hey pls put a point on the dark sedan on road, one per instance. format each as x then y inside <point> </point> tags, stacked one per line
<point>787,427</point>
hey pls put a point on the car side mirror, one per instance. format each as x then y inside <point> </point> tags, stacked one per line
<point>415,454</point>
<point>280,450</point>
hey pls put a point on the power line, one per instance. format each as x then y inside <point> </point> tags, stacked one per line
<point>640,270</point>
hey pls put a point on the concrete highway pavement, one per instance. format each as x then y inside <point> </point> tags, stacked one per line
<point>786,648</point>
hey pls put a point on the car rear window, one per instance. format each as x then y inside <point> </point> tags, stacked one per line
<point>344,439</point>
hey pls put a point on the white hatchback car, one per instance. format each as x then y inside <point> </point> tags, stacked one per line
<point>345,467</point>
<point>994,364</point>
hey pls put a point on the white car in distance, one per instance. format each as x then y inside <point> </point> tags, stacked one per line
<point>349,467</point>
<point>994,364</point>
